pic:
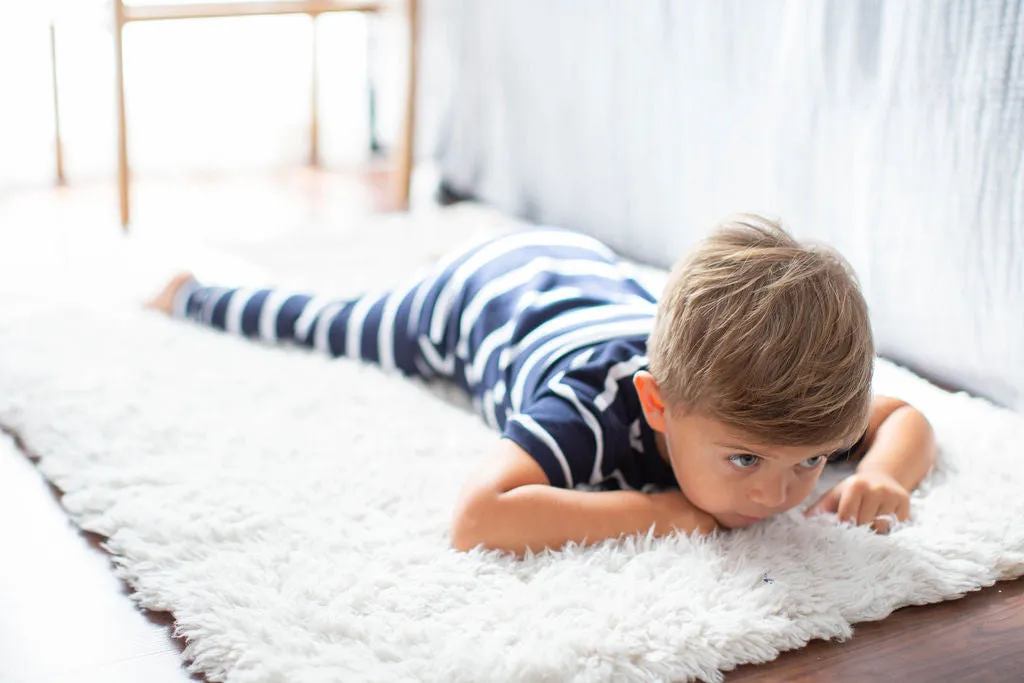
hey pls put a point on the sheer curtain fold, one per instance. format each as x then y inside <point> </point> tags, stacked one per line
<point>892,130</point>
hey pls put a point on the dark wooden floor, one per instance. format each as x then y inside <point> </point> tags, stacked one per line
<point>65,617</point>
<point>977,638</point>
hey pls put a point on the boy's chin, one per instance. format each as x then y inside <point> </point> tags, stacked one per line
<point>735,521</point>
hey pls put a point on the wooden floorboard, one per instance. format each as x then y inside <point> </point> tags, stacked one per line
<point>64,615</point>
<point>977,638</point>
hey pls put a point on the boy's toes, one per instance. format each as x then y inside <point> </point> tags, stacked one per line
<point>164,301</point>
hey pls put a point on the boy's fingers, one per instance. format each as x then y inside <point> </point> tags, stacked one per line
<point>903,510</point>
<point>849,506</point>
<point>882,522</point>
<point>870,507</point>
<point>860,509</point>
<point>872,519</point>
<point>827,503</point>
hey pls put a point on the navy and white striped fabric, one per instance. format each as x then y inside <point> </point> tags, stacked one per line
<point>544,329</point>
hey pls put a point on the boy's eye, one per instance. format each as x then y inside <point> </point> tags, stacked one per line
<point>811,463</point>
<point>744,460</point>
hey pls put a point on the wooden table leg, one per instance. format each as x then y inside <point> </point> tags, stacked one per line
<point>122,141</point>
<point>407,145</point>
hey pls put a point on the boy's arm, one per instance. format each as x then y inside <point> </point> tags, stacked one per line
<point>507,504</point>
<point>897,453</point>
<point>900,442</point>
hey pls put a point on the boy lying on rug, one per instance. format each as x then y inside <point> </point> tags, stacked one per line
<point>716,406</point>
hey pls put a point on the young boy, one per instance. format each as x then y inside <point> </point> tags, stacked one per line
<point>716,406</point>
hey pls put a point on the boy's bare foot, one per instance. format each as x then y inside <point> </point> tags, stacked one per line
<point>164,301</point>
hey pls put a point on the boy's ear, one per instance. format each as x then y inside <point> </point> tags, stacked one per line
<point>650,399</point>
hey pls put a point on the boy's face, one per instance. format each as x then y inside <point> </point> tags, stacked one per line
<point>723,472</point>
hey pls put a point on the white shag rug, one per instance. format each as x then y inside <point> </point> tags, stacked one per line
<point>293,511</point>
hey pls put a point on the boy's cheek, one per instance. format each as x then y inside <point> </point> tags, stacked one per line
<point>713,499</point>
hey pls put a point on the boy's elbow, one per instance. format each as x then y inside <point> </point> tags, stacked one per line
<point>463,537</point>
<point>469,523</point>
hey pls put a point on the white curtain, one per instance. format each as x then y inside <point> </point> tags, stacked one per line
<point>892,130</point>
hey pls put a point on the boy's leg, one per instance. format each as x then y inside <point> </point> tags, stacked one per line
<point>415,329</point>
<point>391,329</point>
<point>374,327</point>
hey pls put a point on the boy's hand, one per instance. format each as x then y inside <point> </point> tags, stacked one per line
<point>674,511</point>
<point>864,497</point>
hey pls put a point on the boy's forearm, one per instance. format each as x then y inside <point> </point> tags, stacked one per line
<point>538,516</point>
<point>904,447</point>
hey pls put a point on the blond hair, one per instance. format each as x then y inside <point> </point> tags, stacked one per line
<point>767,335</point>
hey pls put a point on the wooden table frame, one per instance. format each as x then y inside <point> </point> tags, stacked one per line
<point>124,14</point>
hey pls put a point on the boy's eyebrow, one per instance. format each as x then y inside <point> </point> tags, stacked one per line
<point>748,451</point>
<point>743,449</point>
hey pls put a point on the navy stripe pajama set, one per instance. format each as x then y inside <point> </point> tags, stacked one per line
<point>544,329</point>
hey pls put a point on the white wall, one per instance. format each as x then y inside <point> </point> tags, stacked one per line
<point>892,130</point>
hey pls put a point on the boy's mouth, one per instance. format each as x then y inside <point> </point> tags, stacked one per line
<point>739,521</point>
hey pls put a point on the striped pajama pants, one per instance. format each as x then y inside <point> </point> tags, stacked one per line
<point>460,321</point>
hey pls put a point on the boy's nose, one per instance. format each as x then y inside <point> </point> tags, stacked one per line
<point>771,494</point>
